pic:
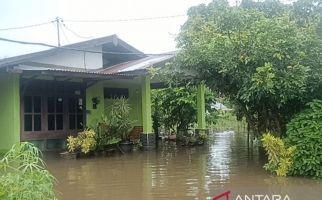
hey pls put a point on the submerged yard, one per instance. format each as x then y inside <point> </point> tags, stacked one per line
<point>173,172</point>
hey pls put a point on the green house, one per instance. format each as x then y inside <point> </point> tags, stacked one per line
<point>47,96</point>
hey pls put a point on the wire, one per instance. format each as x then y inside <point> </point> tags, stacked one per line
<point>64,34</point>
<point>125,20</point>
<point>27,26</point>
<point>75,33</point>
<point>92,21</point>
<point>81,50</point>
<point>29,43</point>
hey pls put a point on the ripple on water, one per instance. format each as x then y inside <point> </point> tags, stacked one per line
<point>173,172</point>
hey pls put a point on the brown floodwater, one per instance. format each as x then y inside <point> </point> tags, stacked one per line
<point>175,172</point>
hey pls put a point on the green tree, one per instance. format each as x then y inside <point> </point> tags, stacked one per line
<point>307,12</point>
<point>267,63</point>
<point>176,108</point>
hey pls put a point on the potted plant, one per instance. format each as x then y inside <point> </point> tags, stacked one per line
<point>107,139</point>
<point>121,124</point>
<point>83,144</point>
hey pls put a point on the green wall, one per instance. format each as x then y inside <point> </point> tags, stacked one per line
<point>9,110</point>
<point>134,98</point>
<point>97,90</point>
<point>94,115</point>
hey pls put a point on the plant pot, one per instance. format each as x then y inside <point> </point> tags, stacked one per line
<point>172,137</point>
<point>126,146</point>
<point>110,152</point>
<point>98,153</point>
<point>68,155</point>
<point>88,155</point>
<point>109,147</point>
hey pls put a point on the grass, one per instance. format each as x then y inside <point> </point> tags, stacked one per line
<point>227,122</point>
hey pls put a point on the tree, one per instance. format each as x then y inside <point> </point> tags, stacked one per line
<point>176,108</point>
<point>307,11</point>
<point>267,63</point>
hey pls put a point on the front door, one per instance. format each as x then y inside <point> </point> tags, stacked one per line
<point>51,109</point>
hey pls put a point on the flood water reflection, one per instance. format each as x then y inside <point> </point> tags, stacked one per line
<point>174,172</point>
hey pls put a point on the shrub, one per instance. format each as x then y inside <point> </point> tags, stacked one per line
<point>120,123</point>
<point>305,131</point>
<point>280,158</point>
<point>85,142</point>
<point>72,144</point>
<point>104,135</point>
<point>23,175</point>
<point>176,110</point>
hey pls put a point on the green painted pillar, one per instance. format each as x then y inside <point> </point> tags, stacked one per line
<point>146,105</point>
<point>201,107</point>
<point>9,110</point>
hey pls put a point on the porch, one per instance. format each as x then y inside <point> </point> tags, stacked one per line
<point>45,107</point>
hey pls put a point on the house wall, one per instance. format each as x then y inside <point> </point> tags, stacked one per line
<point>9,110</point>
<point>134,100</point>
<point>97,90</point>
<point>93,115</point>
<point>74,59</point>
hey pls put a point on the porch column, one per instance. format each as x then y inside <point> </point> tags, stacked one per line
<point>201,107</point>
<point>147,137</point>
<point>10,110</point>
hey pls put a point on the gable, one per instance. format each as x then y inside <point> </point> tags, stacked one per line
<point>77,59</point>
<point>91,54</point>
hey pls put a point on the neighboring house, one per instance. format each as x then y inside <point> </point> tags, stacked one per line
<point>220,107</point>
<point>47,96</point>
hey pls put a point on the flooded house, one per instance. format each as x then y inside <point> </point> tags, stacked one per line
<point>48,95</point>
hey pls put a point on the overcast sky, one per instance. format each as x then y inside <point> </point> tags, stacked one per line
<point>150,36</point>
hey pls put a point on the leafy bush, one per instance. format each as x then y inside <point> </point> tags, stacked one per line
<point>176,108</point>
<point>23,175</point>
<point>120,123</point>
<point>85,142</point>
<point>72,144</point>
<point>280,158</point>
<point>305,131</point>
<point>104,135</point>
<point>203,136</point>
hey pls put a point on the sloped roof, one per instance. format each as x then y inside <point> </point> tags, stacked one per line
<point>80,45</point>
<point>139,64</point>
<point>126,69</point>
<point>48,69</point>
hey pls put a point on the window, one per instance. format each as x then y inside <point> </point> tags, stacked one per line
<point>32,113</point>
<point>75,113</point>
<point>116,93</point>
<point>50,107</point>
<point>55,113</point>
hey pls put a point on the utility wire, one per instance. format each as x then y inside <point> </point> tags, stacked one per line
<point>81,50</point>
<point>93,21</point>
<point>29,43</point>
<point>75,33</point>
<point>125,20</point>
<point>27,26</point>
<point>64,34</point>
